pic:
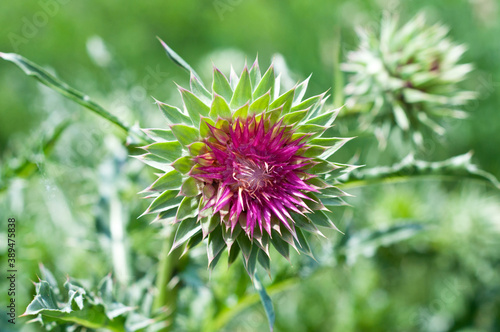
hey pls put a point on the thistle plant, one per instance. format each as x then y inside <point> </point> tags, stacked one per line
<point>407,77</point>
<point>246,166</point>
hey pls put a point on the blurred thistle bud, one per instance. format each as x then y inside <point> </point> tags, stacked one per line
<point>407,77</point>
<point>245,166</point>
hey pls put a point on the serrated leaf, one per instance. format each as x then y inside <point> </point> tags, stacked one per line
<point>168,181</point>
<point>221,85</point>
<point>194,106</point>
<point>165,201</point>
<point>300,91</point>
<point>243,91</point>
<point>251,264</point>
<point>159,135</point>
<point>187,228</point>
<point>173,114</point>
<point>188,208</point>
<point>302,243</point>
<point>245,245</point>
<point>266,83</point>
<point>294,117</point>
<point>260,105</point>
<point>186,135</point>
<point>284,100</point>
<point>183,164</point>
<point>325,119</point>
<point>280,245</point>
<point>178,60</point>
<point>190,187</point>
<point>169,151</point>
<point>312,129</point>
<point>220,108</point>
<point>241,112</point>
<point>215,244</point>
<point>198,89</point>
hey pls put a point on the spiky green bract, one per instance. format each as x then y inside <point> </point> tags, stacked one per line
<point>246,166</point>
<point>407,77</point>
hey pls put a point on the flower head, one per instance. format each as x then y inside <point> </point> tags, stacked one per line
<point>245,166</point>
<point>407,76</point>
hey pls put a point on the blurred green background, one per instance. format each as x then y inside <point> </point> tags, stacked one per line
<point>444,278</point>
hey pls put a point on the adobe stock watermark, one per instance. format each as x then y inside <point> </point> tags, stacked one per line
<point>223,6</point>
<point>31,25</point>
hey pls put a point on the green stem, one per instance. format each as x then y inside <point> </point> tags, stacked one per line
<point>457,167</point>
<point>166,296</point>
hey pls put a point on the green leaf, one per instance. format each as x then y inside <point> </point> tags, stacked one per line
<point>294,117</point>
<point>233,254</point>
<point>400,117</point>
<point>333,144</point>
<point>194,106</point>
<point>319,218</point>
<point>325,119</point>
<point>198,89</point>
<point>188,208</point>
<point>314,130</point>
<point>185,135</point>
<point>261,104</point>
<point>198,148</point>
<point>183,164</point>
<point>245,245</point>
<point>220,108</point>
<point>159,135</point>
<point>168,181</point>
<point>300,91</point>
<point>178,60</point>
<point>251,264</point>
<point>241,112</point>
<point>266,301</point>
<point>165,201</point>
<point>215,244</point>
<point>190,188</point>
<point>243,91</point>
<point>284,100</point>
<point>34,70</point>
<point>302,243</point>
<point>254,73</point>
<point>280,245</point>
<point>209,223</point>
<point>173,114</point>
<point>204,130</point>
<point>308,103</point>
<point>264,261</point>
<point>314,151</point>
<point>323,167</point>
<point>187,228</point>
<point>266,83</point>
<point>169,151</point>
<point>221,85</point>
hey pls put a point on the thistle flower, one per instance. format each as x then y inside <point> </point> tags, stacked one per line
<point>407,77</point>
<point>245,166</point>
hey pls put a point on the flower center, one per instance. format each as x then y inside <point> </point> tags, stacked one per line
<point>252,176</point>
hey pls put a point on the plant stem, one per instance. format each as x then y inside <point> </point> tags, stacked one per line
<point>166,296</point>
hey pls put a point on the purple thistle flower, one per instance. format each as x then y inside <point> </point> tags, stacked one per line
<point>246,167</point>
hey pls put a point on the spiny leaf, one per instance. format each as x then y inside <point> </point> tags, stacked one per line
<point>221,85</point>
<point>185,134</point>
<point>169,151</point>
<point>173,114</point>
<point>187,229</point>
<point>188,208</point>
<point>243,91</point>
<point>168,181</point>
<point>178,60</point>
